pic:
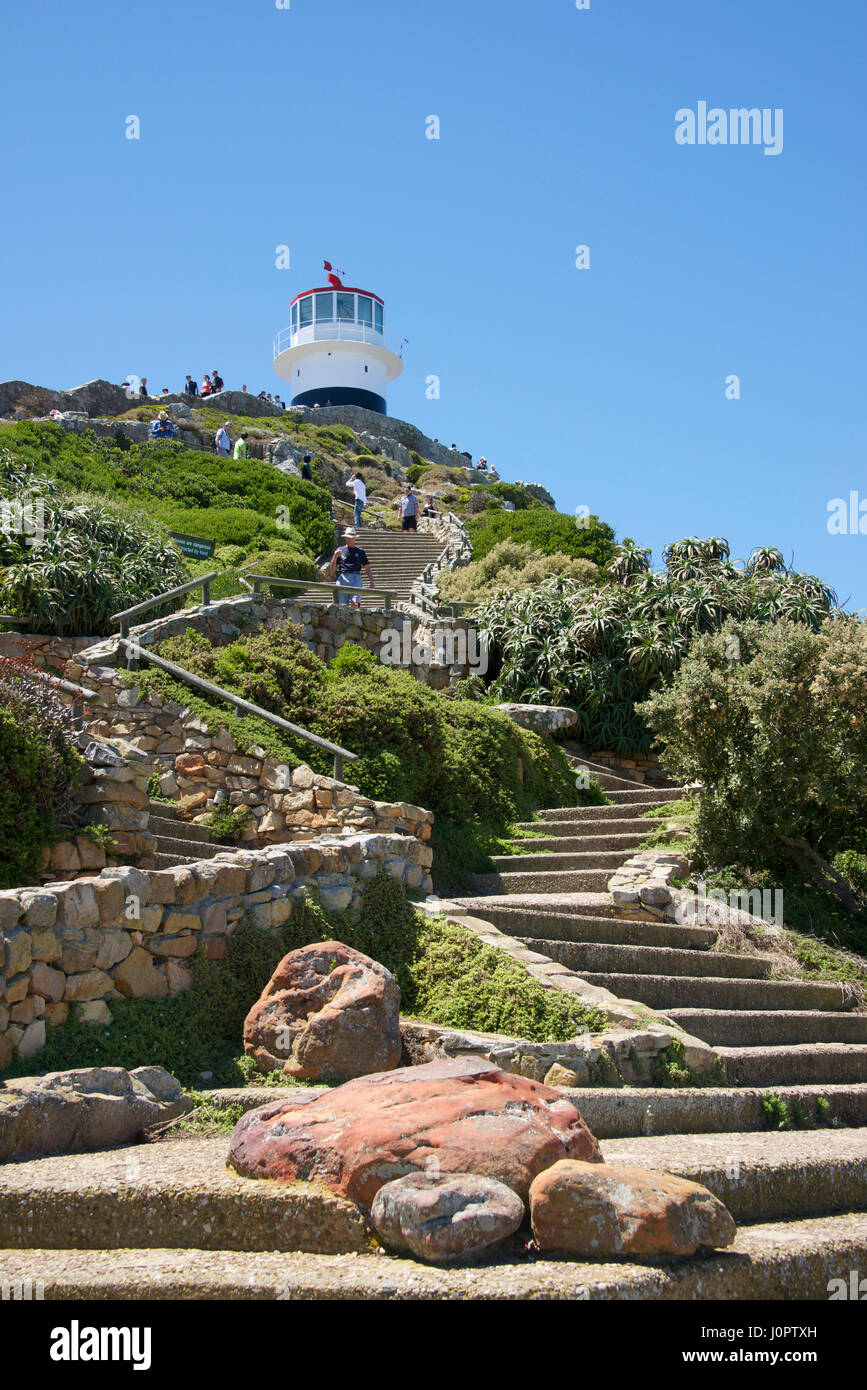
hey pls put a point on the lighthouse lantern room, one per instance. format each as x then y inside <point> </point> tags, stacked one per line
<point>333,352</point>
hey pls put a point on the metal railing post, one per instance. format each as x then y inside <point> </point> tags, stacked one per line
<point>206,594</point>
<point>338,767</point>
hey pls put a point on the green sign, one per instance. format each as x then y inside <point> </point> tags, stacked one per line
<point>194,547</point>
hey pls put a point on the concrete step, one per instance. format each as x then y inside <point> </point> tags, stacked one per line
<point>685,991</point>
<point>647,960</point>
<point>645,796</point>
<point>574,815</point>
<point>581,844</point>
<point>799,1063</point>
<point>557,881</point>
<point>639,1110</point>
<point>612,822</point>
<point>178,1192</point>
<point>552,926</point>
<point>788,1260</point>
<point>581,904</point>
<point>167,810</point>
<point>584,859</point>
<point>605,778</point>
<point>179,829</point>
<point>195,849</point>
<point>775,1176</point>
<point>763,1027</point>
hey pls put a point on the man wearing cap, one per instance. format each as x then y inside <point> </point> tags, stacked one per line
<point>347,562</point>
<point>222,442</point>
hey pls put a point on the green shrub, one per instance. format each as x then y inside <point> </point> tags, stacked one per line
<point>458,758</point>
<point>546,532</point>
<point>513,566</point>
<point>603,650</point>
<point>184,489</point>
<point>91,563</point>
<point>778,738</point>
<point>282,564</point>
<point>40,767</point>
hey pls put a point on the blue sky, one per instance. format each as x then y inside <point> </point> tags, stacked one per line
<point>306,127</point>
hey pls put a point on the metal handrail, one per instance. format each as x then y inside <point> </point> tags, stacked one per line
<point>305,584</point>
<point>135,653</point>
<point>204,583</point>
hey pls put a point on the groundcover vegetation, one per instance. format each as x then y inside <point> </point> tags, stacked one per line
<point>604,649</point>
<point>445,974</point>
<point>469,764</point>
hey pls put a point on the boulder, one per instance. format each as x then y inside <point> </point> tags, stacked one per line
<point>438,1218</point>
<point>593,1212</point>
<point>327,1012</point>
<point>465,1114</point>
<point>239,403</point>
<point>76,1111</point>
<point>100,398</point>
<point>542,719</point>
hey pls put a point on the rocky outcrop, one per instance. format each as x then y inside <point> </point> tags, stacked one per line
<point>439,1218</point>
<point>238,403</point>
<point>93,398</point>
<point>593,1212</point>
<point>75,1111</point>
<point>466,1116</point>
<point>327,1013</point>
<point>542,719</point>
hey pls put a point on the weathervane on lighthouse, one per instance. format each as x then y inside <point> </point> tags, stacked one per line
<point>334,352</point>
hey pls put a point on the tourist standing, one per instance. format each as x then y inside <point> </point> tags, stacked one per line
<point>356,482</point>
<point>217,381</point>
<point>241,447</point>
<point>222,442</point>
<point>192,387</point>
<point>347,562</point>
<point>408,510</point>
<point>306,472</point>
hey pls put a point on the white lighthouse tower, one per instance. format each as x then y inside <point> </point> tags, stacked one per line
<point>333,352</point>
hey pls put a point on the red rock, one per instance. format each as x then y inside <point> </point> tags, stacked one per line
<point>327,1012</point>
<point>463,1114</point>
<point>593,1213</point>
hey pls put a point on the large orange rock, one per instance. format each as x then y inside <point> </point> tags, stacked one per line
<point>594,1213</point>
<point>461,1115</point>
<point>327,1013</point>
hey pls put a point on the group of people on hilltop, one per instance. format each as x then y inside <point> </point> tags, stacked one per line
<point>212,384</point>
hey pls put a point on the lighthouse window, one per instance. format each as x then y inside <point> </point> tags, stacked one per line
<point>346,308</point>
<point>294,318</point>
<point>305,311</point>
<point>325,308</point>
<point>377,317</point>
<point>365,310</point>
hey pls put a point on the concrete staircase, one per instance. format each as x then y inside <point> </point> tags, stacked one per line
<point>798,1040</point>
<point>178,841</point>
<point>397,558</point>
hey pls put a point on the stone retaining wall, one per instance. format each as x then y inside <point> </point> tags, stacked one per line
<point>112,792</point>
<point>129,932</point>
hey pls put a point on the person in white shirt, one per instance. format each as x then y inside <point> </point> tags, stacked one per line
<point>356,482</point>
<point>222,441</point>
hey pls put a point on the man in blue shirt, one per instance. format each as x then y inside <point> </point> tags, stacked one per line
<point>347,562</point>
<point>163,427</point>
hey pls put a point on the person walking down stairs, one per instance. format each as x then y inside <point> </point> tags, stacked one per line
<point>347,562</point>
